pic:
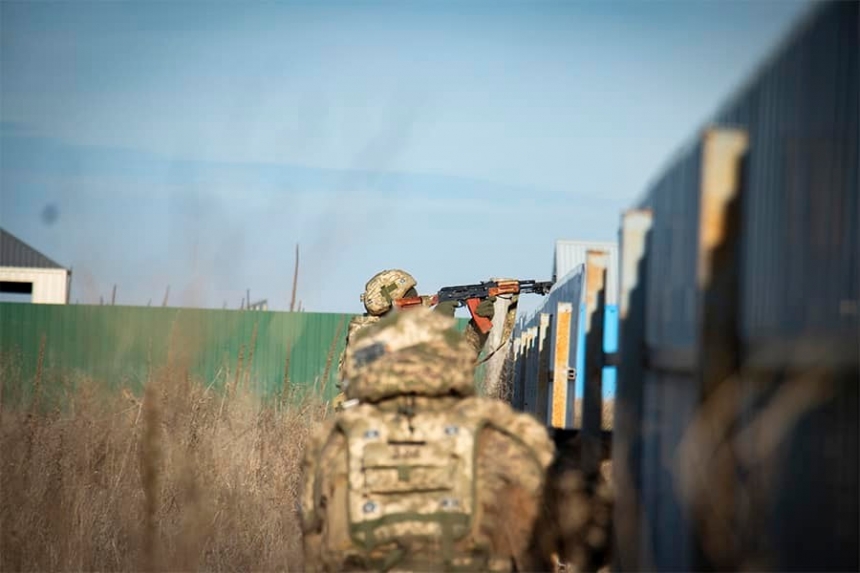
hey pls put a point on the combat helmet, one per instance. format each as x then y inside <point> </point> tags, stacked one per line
<point>419,352</point>
<point>383,288</point>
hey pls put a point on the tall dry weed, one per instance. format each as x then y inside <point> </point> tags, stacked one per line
<point>169,482</point>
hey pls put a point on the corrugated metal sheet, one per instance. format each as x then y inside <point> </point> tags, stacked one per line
<point>16,253</point>
<point>801,221</point>
<point>797,285</point>
<point>116,345</point>
<point>531,337</point>
<point>563,331</point>
<point>570,289</point>
<point>569,254</point>
<point>802,263</point>
<point>674,199</point>
<point>669,401</point>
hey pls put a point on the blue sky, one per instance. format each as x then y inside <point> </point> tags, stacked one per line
<point>194,144</point>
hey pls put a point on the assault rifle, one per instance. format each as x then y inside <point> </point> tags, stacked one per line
<point>472,295</point>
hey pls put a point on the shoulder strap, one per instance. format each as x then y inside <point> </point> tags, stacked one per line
<point>311,469</point>
<point>519,426</point>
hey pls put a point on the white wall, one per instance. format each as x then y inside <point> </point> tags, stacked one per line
<point>49,285</point>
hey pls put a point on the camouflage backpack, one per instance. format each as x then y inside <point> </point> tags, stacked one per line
<point>411,479</point>
<point>411,472</point>
<point>411,352</point>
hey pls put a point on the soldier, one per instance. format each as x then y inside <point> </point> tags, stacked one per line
<point>378,296</point>
<point>416,472</point>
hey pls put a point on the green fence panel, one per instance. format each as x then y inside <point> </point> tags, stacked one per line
<point>119,346</point>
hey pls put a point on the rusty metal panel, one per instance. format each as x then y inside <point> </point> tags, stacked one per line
<point>723,153</point>
<point>560,359</point>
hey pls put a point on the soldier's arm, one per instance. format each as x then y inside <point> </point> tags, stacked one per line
<point>355,324</point>
<point>340,366</point>
<point>473,335</point>
<point>349,330</point>
<point>486,309</point>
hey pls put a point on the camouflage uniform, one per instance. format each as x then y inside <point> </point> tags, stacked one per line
<point>379,292</point>
<point>357,323</point>
<point>417,473</point>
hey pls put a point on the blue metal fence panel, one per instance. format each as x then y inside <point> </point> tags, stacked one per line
<point>799,283</point>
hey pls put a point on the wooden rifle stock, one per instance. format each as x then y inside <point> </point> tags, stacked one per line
<point>472,295</point>
<point>484,324</point>
<point>411,301</point>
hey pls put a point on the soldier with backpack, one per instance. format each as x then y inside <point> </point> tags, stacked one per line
<point>416,472</point>
<point>378,298</point>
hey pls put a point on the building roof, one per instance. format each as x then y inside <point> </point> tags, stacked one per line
<point>16,253</point>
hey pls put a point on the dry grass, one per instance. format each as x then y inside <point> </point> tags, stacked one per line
<point>181,480</point>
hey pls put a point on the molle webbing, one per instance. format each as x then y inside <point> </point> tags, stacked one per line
<point>452,526</point>
<point>412,478</point>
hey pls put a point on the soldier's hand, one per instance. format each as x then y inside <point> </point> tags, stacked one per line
<point>486,308</point>
<point>446,308</point>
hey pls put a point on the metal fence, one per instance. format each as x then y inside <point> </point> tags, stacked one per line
<point>556,378</point>
<point>736,427</point>
<point>735,432</point>
<point>119,346</point>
